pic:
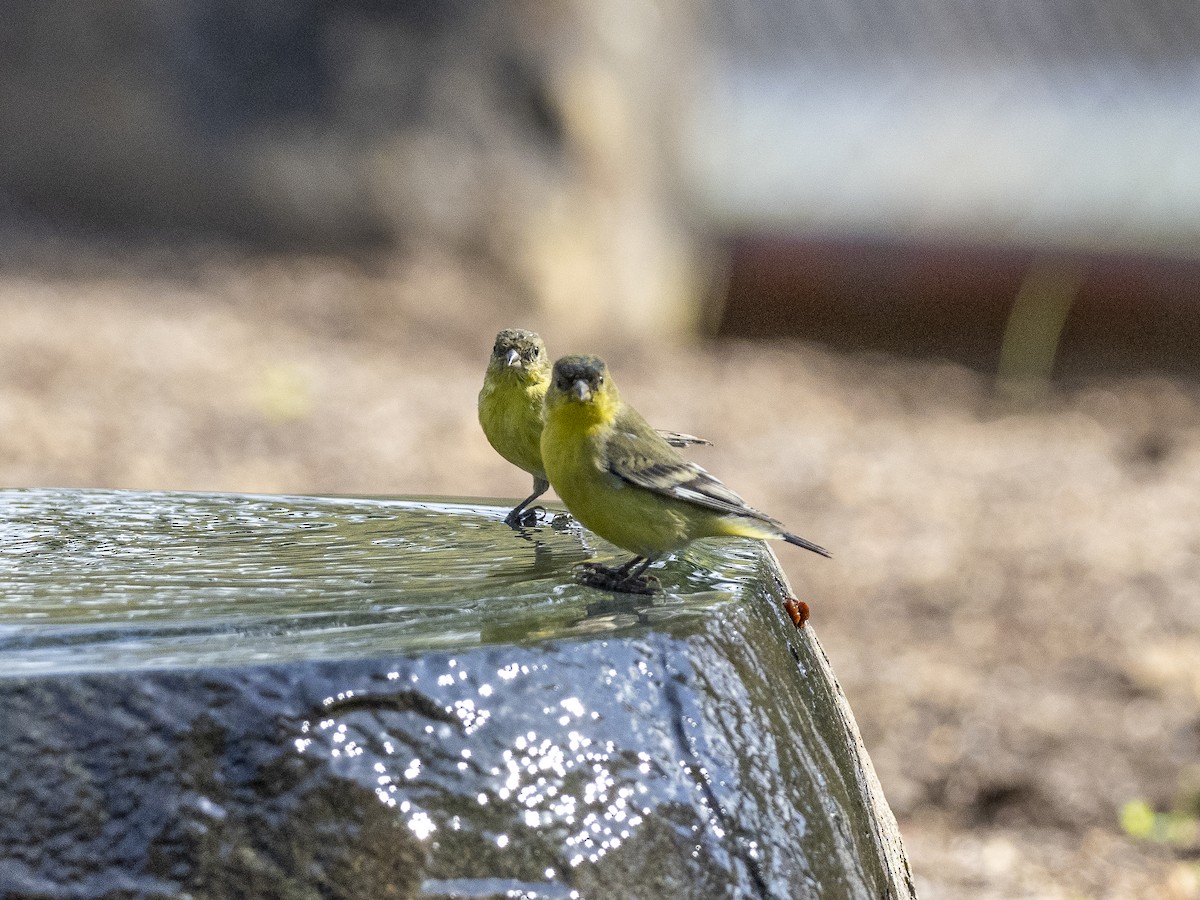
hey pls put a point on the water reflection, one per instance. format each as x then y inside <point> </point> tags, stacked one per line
<point>133,579</point>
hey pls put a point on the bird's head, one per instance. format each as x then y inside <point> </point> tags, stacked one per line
<point>584,382</point>
<point>520,353</point>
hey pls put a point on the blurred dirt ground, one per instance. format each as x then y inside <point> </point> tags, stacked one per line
<point>1012,607</point>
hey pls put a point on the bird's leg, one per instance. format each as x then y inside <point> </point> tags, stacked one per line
<point>518,516</point>
<point>624,570</point>
<point>642,568</point>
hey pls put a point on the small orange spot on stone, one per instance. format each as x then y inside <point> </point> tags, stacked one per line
<point>798,610</point>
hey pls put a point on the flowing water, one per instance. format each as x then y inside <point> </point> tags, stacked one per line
<point>238,696</point>
<point>117,580</point>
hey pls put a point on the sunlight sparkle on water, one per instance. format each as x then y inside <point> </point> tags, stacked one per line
<point>556,780</point>
<point>421,825</point>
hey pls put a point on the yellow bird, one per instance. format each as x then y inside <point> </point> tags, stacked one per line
<point>624,482</point>
<point>510,408</point>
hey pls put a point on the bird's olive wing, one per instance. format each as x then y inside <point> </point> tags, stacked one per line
<point>636,454</point>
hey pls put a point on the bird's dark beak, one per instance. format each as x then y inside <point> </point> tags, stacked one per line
<point>512,358</point>
<point>581,390</point>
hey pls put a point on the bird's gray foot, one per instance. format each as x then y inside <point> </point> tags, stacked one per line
<point>524,518</point>
<point>619,579</point>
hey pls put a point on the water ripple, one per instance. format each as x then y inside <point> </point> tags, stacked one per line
<point>137,579</point>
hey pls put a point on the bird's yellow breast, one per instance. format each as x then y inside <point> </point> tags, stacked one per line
<point>634,519</point>
<point>510,414</point>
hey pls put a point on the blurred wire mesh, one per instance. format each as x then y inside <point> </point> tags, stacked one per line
<point>656,168</point>
<point>892,177</point>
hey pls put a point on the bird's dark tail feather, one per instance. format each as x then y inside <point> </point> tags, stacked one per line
<point>807,545</point>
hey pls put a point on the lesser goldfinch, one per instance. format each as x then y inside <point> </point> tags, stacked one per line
<point>624,482</point>
<point>510,408</point>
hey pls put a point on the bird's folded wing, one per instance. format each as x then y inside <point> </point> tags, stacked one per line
<point>640,457</point>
